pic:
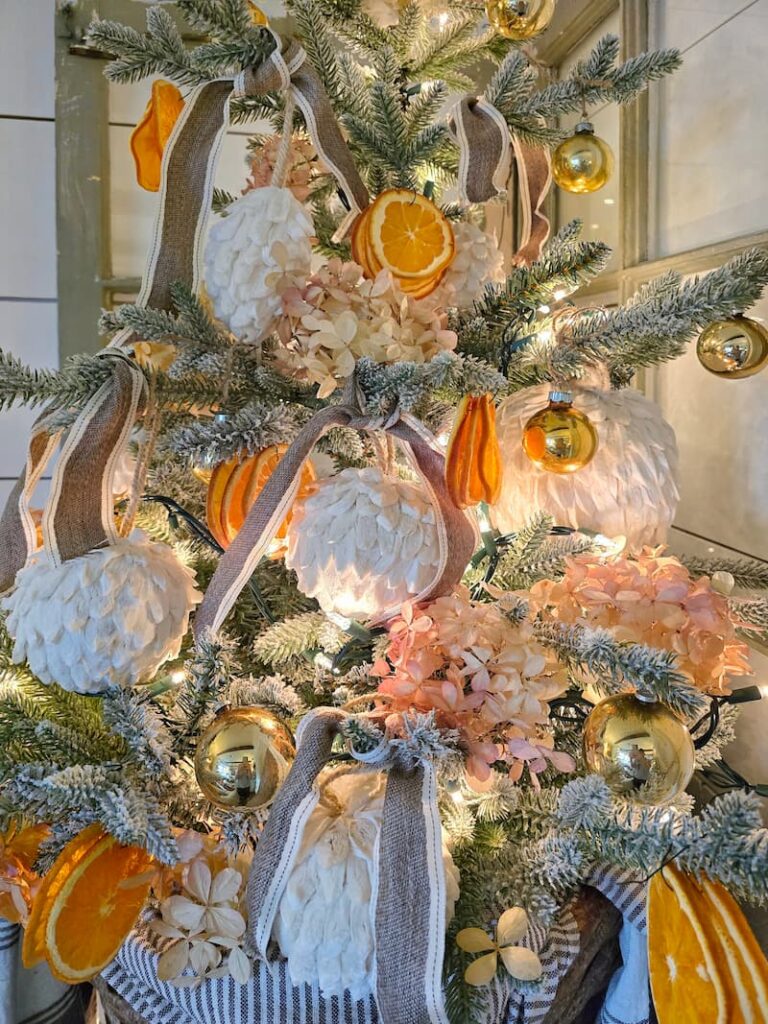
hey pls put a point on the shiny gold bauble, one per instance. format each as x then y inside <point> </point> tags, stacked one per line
<point>583,162</point>
<point>733,348</point>
<point>560,439</point>
<point>242,758</point>
<point>642,750</point>
<point>520,19</point>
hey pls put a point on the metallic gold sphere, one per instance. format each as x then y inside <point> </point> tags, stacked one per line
<point>583,162</point>
<point>734,348</point>
<point>642,750</point>
<point>520,19</point>
<point>242,758</point>
<point>560,439</point>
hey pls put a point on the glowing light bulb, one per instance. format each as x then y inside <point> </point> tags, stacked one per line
<point>560,294</point>
<point>178,676</point>
<point>483,521</point>
<point>763,688</point>
<point>442,18</point>
<point>545,309</point>
<point>322,661</point>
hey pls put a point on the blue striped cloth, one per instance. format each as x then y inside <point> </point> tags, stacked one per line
<point>34,996</point>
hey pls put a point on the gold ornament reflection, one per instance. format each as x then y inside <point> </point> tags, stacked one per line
<point>520,19</point>
<point>243,757</point>
<point>583,162</point>
<point>559,438</point>
<point>642,749</point>
<point>734,348</point>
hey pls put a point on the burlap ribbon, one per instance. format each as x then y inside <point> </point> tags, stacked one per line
<point>410,888</point>
<point>456,535</point>
<point>485,153</point>
<point>192,153</point>
<point>78,515</point>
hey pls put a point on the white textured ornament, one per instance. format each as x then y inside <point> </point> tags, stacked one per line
<point>261,244</point>
<point>478,261</point>
<point>629,488</point>
<point>112,616</point>
<point>363,542</point>
<point>325,919</point>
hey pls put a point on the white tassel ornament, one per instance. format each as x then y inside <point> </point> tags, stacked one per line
<point>325,919</point>
<point>363,542</point>
<point>110,617</point>
<point>262,244</point>
<point>628,489</point>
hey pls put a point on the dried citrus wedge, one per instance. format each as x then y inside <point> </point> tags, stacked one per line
<point>231,513</point>
<point>94,910</point>
<point>409,235</point>
<point>473,460</point>
<point>153,131</point>
<point>688,981</point>
<point>33,947</point>
<point>217,485</point>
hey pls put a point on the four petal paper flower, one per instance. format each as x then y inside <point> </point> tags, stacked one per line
<point>521,963</point>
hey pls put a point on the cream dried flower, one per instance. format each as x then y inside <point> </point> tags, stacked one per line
<point>301,165</point>
<point>478,261</point>
<point>207,927</point>
<point>521,963</point>
<point>340,316</point>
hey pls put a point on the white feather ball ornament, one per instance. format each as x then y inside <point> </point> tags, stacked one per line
<point>108,617</point>
<point>261,243</point>
<point>363,542</point>
<point>629,488</point>
<point>478,261</point>
<point>325,920</point>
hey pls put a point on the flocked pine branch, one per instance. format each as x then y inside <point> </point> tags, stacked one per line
<point>296,637</point>
<point>247,431</point>
<point>748,573</point>
<point>447,376</point>
<point>614,666</point>
<point>72,385</point>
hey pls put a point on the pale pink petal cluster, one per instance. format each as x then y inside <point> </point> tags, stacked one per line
<point>340,316</point>
<point>651,598</point>
<point>302,165</point>
<point>485,676</point>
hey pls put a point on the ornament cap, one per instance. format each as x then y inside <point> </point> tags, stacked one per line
<point>561,397</point>
<point>584,128</point>
<point>645,697</point>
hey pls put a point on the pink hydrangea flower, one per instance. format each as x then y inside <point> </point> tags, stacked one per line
<point>651,598</point>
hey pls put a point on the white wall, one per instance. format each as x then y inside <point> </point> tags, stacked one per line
<point>27,207</point>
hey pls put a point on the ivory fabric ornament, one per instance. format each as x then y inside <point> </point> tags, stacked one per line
<point>260,246</point>
<point>325,920</point>
<point>629,488</point>
<point>478,261</point>
<point>363,542</point>
<point>109,617</point>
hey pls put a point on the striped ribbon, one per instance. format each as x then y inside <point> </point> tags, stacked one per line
<point>78,515</point>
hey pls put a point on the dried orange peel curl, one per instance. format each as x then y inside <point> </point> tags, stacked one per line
<point>86,906</point>
<point>473,459</point>
<point>405,233</point>
<point>706,965</point>
<point>18,881</point>
<point>150,135</point>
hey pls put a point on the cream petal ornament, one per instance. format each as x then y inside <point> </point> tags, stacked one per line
<point>263,240</point>
<point>347,547</point>
<point>629,487</point>
<point>84,624</point>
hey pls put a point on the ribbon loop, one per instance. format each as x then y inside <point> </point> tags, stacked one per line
<point>78,515</point>
<point>483,138</point>
<point>456,536</point>
<point>410,888</point>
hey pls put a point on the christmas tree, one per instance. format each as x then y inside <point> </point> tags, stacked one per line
<point>444,681</point>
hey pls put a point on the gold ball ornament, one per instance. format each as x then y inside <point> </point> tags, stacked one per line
<point>583,162</point>
<point>641,748</point>
<point>733,348</point>
<point>242,758</point>
<point>559,438</point>
<point>520,19</point>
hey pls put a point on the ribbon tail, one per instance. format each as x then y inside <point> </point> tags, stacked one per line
<point>279,844</point>
<point>534,180</point>
<point>410,902</point>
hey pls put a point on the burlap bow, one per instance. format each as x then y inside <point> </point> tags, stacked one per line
<point>79,513</point>
<point>456,534</point>
<point>410,888</point>
<point>485,152</point>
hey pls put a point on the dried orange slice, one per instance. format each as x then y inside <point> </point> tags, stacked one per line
<point>33,948</point>
<point>409,235</point>
<point>473,459</point>
<point>266,463</point>
<point>150,135</point>
<point>688,982</point>
<point>94,909</point>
